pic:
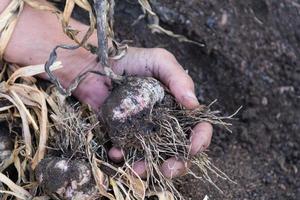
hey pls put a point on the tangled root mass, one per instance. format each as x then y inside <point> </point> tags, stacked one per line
<point>150,125</point>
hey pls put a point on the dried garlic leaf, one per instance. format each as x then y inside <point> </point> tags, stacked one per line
<point>17,190</point>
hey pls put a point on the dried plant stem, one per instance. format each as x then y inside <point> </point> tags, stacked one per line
<point>155,26</point>
<point>101,8</point>
<point>16,190</point>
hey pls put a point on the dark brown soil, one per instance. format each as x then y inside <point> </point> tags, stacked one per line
<point>65,178</point>
<point>251,59</point>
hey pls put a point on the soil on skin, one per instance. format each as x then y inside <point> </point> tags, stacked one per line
<point>251,59</point>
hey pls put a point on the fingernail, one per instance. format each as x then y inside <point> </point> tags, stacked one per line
<point>173,168</point>
<point>140,169</point>
<point>191,95</point>
<point>195,150</point>
<point>193,101</point>
<point>116,154</point>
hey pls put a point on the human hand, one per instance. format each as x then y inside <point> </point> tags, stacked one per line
<point>162,65</point>
<point>32,46</point>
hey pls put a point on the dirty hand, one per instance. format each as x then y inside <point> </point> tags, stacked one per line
<point>32,46</point>
<point>161,64</point>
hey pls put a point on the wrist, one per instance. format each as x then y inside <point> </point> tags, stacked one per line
<point>36,35</point>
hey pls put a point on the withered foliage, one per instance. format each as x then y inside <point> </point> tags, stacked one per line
<point>49,125</point>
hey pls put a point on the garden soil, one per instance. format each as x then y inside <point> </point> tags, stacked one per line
<point>251,58</point>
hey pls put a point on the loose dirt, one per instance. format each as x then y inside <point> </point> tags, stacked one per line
<point>251,59</point>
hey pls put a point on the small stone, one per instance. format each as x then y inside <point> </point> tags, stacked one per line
<point>264,101</point>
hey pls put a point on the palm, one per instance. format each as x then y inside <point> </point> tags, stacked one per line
<point>162,65</point>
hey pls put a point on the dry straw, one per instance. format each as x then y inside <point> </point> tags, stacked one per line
<point>34,106</point>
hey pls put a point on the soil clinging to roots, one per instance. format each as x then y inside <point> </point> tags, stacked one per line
<point>139,115</point>
<point>146,121</point>
<point>66,179</point>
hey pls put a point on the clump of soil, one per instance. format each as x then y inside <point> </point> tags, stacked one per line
<point>153,126</point>
<point>251,59</point>
<point>126,113</point>
<point>144,120</point>
<point>68,179</point>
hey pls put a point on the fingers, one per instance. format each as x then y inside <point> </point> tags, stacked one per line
<point>171,168</point>
<point>93,90</point>
<point>116,154</point>
<point>169,71</point>
<point>174,167</point>
<point>140,169</point>
<point>162,65</point>
<point>200,137</point>
<point>200,140</point>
